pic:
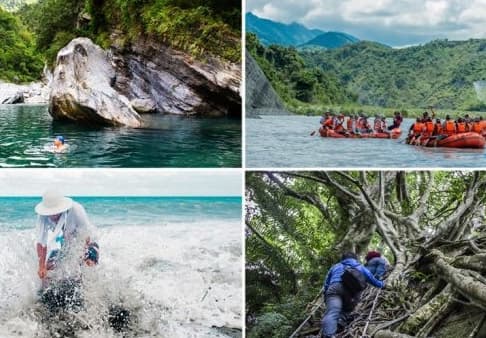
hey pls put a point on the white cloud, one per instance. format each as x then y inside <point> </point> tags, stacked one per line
<point>121,182</point>
<point>388,21</point>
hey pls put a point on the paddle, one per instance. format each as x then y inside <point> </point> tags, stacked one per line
<point>313,133</point>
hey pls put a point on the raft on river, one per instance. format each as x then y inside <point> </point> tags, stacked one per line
<point>463,140</point>
<point>393,134</point>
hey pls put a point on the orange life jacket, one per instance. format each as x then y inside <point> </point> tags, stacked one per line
<point>476,127</point>
<point>483,124</point>
<point>461,127</point>
<point>328,122</point>
<point>429,127</point>
<point>418,127</point>
<point>449,127</point>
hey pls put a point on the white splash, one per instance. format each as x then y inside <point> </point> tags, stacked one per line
<point>180,280</point>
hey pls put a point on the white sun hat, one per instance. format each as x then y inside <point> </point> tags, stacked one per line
<point>53,203</point>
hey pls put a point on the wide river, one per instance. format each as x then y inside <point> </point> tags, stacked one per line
<point>27,133</point>
<point>285,141</point>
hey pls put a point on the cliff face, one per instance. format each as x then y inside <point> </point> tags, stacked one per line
<point>261,98</point>
<point>177,83</point>
<point>112,87</point>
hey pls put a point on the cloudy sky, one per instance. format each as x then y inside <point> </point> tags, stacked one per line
<point>116,182</point>
<point>393,22</point>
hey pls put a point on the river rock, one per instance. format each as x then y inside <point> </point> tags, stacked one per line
<point>261,98</point>
<point>32,93</point>
<point>144,106</point>
<point>81,88</point>
<point>18,97</point>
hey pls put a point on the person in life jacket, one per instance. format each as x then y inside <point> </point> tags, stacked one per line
<point>339,124</point>
<point>376,264</point>
<point>468,121</point>
<point>342,289</point>
<point>449,126</point>
<point>437,128</point>
<point>482,123</point>
<point>364,126</point>
<point>397,121</point>
<point>461,126</point>
<point>351,124</point>
<point>377,124</point>
<point>329,121</point>
<point>323,118</point>
<point>476,126</point>
<point>416,128</point>
<point>428,129</point>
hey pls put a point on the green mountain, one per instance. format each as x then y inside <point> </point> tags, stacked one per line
<point>13,5</point>
<point>440,73</point>
<point>272,32</point>
<point>330,40</point>
<point>295,82</point>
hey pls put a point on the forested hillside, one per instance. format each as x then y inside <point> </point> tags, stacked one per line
<point>199,28</point>
<point>19,60</point>
<point>294,81</point>
<point>440,73</point>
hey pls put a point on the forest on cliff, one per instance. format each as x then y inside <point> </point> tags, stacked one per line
<point>35,32</point>
<point>430,226</point>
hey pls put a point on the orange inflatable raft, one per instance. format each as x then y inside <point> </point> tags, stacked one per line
<point>394,134</point>
<point>463,140</point>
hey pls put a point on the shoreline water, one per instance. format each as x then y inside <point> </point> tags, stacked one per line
<point>179,278</point>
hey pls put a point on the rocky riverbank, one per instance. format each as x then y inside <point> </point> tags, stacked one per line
<point>32,93</point>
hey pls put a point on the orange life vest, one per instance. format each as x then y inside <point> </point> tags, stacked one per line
<point>429,127</point>
<point>328,122</point>
<point>461,127</point>
<point>483,124</point>
<point>476,127</point>
<point>418,127</point>
<point>449,127</point>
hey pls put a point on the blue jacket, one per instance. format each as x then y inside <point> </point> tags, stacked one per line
<point>335,273</point>
<point>377,267</point>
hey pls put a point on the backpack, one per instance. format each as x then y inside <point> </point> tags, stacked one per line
<point>353,280</point>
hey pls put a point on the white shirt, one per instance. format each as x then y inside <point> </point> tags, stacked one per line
<point>73,225</point>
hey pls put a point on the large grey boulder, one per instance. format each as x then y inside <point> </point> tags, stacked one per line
<point>261,98</point>
<point>81,88</point>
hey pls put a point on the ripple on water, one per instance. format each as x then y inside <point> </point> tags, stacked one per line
<point>168,141</point>
<point>285,141</point>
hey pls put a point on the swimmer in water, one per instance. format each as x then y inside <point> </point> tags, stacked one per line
<point>59,144</point>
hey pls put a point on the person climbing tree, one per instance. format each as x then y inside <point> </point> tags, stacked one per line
<point>376,264</point>
<point>342,289</point>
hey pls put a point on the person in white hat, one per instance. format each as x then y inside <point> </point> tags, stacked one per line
<point>62,225</point>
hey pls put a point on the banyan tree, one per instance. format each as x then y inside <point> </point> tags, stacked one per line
<point>430,226</point>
